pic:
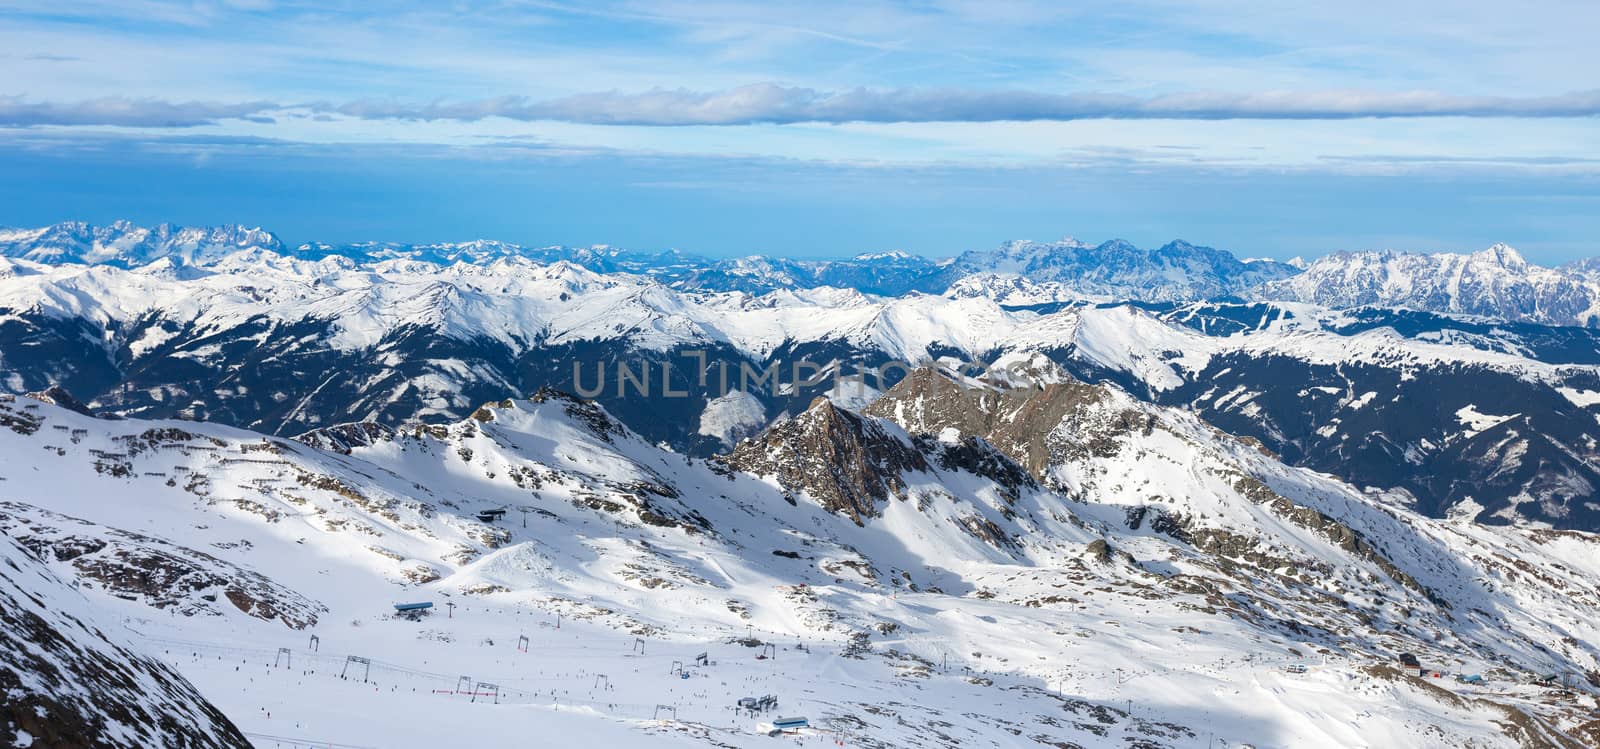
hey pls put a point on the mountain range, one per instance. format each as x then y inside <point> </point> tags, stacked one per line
<point>1440,411</point>
<point>1496,282</point>
<point>1051,562</point>
<point>1061,494</point>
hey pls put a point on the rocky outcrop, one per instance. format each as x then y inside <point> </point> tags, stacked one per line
<point>976,456</point>
<point>847,463</point>
<point>163,575</point>
<point>342,438</point>
<point>1063,421</point>
<point>1016,421</point>
<point>586,412</point>
<point>72,682</point>
<point>58,396</point>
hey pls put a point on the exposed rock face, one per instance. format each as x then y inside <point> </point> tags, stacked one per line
<point>57,395</point>
<point>159,573</point>
<point>586,412</point>
<point>342,438</point>
<point>1064,422</point>
<point>1016,420</point>
<point>846,462</point>
<point>70,682</point>
<point>976,456</point>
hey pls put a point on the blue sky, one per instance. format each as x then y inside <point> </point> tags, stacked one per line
<point>815,129</point>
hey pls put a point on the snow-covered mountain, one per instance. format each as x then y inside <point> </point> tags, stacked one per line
<point>284,344</point>
<point>1118,271</point>
<point>1496,282</point>
<point>1046,495</point>
<point>1445,412</point>
<point>1114,270</point>
<point>126,245</point>
<point>72,677</point>
<point>1079,568</point>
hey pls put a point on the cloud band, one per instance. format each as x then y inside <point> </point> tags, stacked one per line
<point>767,103</point>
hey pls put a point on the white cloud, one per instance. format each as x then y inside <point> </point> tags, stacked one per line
<point>768,103</point>
<point>16,111</point>
<point>771,103</point>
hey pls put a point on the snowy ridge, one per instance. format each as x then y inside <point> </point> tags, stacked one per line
<point>73,677</point>
<point>285,344</point>
<point>1148,345</point>
<point>1371,395</point>
<point>521,304</point>
<point>1070,270</point>
<point>126,245</point>
<point>1494,282</point>
<point>1155,564</point>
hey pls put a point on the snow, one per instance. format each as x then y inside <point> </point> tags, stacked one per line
<point>983,639</point>
<point>853,393</point>
<point>80,671</point>
<point>612,578</point>
<point>522,303</point>
<point>1580,397</point>
<point>1496,282</point>
<point>886,255</point>
<point>1476,421</point>
<point>1125,339</point>
<point>732,416</point>
<point>1362,400</point>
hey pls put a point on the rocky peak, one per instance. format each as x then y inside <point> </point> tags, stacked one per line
<point>342,438</point>
<point>1117,269</point>
<point>1116,246</point>
<point>586,412</point>
<point>1015,420</point>
<point>1495,282</point>
<point>1503,255</point>
<point>125,244</point>
<point>846,462</point>
<point>58,396</point>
